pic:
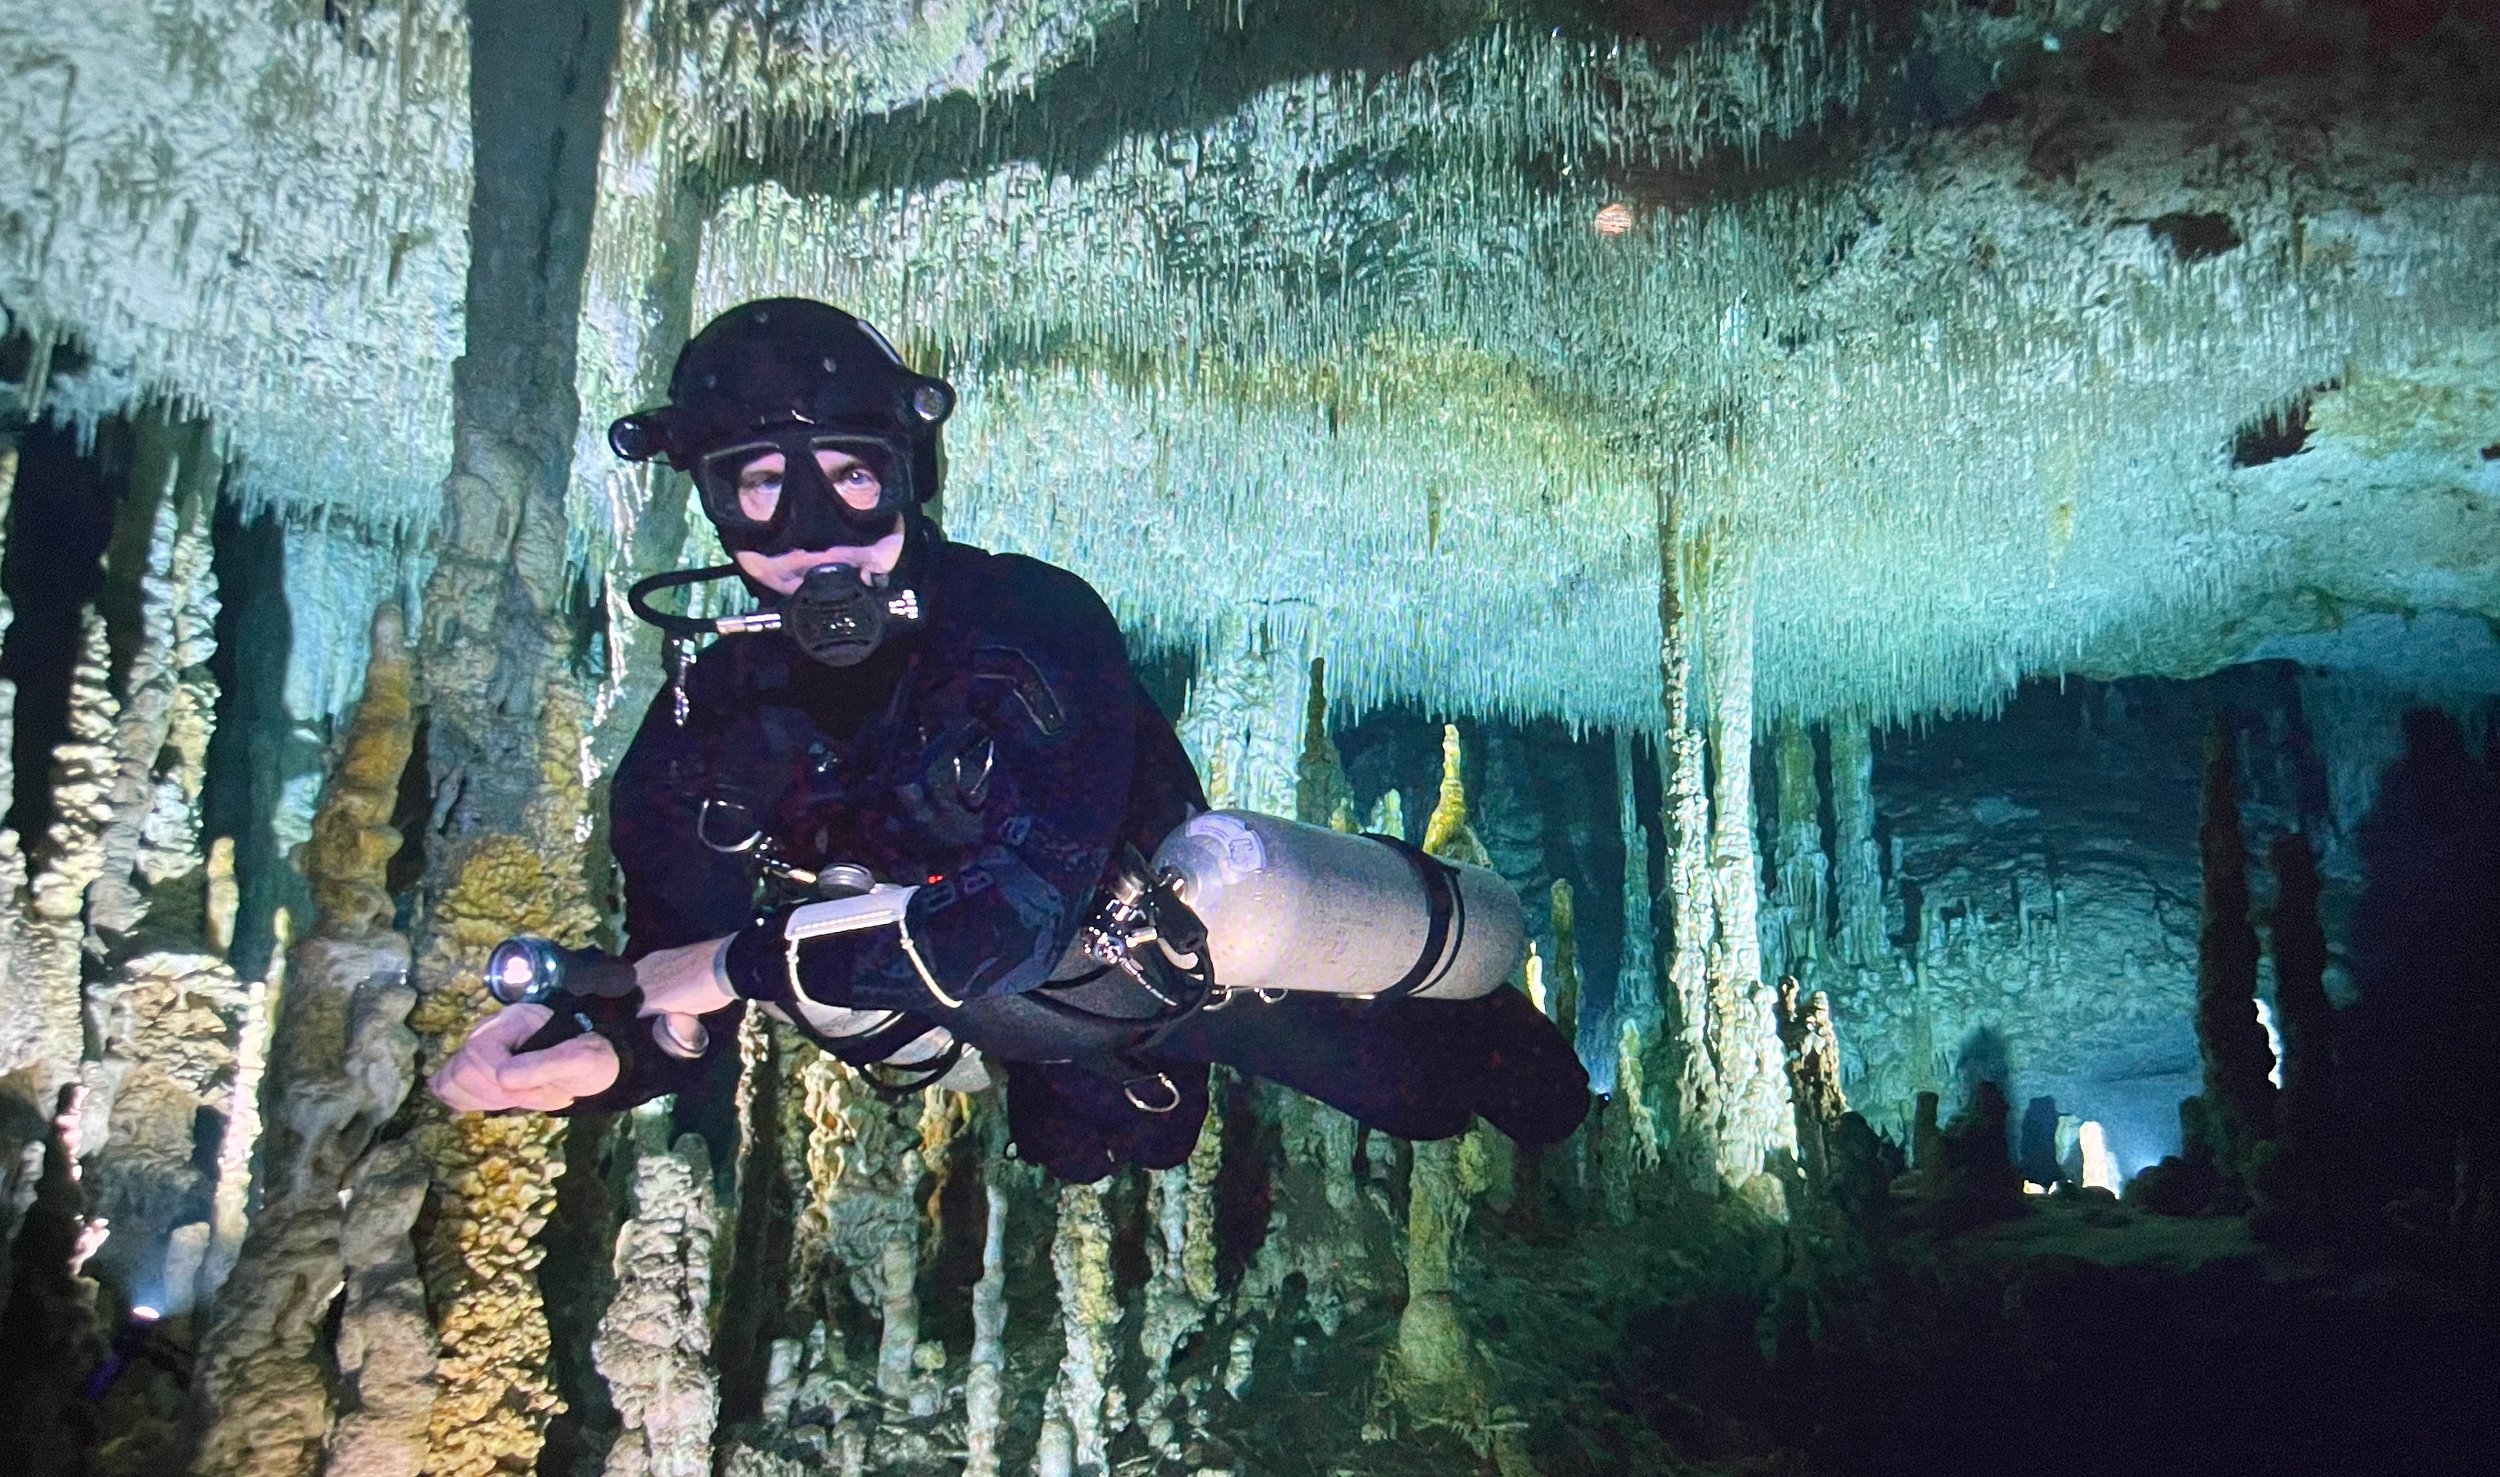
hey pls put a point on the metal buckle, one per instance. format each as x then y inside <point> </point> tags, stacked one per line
<point>1128,1090</point>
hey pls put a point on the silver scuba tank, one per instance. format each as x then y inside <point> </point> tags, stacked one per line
<point>1295,907</point>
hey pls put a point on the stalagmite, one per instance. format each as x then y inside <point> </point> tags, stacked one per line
<point>236,1149</point>
<point>1805,1023</point>
<point>1083,1396</point>
<point>985,1380</point>
<point>1436,1364</point>
<point>385,1340</point>
<point>341,1060</point>
<point>41,1017</point>
<point>1181,1292</point>
<point>160,555</point>
<point>160,1020</point>
<point>1438,1373</point>
<point>861,1205</point>
<point>655,1339</point>
<point>1322,797</point>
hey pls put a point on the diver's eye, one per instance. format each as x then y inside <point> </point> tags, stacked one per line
<point>858,478</point>
<point>759,492</point>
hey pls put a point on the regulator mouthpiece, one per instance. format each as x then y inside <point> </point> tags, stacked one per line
<point>838,618</point>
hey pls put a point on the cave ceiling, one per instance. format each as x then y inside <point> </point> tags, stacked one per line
<point>1981,342</point>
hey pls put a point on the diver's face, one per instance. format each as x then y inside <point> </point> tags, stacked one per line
<point>760,492</point>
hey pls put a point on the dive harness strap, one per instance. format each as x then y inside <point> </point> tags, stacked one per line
<point>1447,914</point>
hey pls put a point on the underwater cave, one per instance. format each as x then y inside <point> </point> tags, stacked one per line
<point>1913,586</point>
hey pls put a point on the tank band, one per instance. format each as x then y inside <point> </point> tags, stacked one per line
<point>1447,915</point>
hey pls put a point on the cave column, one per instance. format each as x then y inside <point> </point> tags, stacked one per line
<point>504,729</point>
<point>1631,1127</point>
<point>1744,1032</point>
<point>1684,825</point>
<point>1243,723</point>
<point>2239,1097</point>
<point>1857,879</point>
<point>1797,855</point>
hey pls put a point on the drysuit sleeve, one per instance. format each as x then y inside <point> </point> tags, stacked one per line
<point>1040,813</point>
<point>677,891</point>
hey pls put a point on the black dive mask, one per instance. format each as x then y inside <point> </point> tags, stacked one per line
<point>835,616</point>
<point>768,493</point>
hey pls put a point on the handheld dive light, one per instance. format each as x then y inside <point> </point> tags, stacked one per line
<point>528,970</point>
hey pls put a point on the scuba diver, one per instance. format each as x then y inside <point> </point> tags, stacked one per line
<point>917,805</point>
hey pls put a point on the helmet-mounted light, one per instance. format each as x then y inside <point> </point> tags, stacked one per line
<point>640,437</point>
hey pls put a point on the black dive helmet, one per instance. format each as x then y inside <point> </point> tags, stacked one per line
<point>795,377</point>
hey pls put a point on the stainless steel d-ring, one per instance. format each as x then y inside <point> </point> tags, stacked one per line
<point>1128,1090</point>
<point>703,831</point>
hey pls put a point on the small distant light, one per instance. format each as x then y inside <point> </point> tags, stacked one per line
<point>142,1313</point>
<point>2050,42</point>
<point>1613,220</point>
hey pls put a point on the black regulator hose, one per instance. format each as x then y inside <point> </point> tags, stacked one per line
<point>684,627</point>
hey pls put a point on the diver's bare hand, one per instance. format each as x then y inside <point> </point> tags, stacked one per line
<point>489,1072</point>
<point>682,983</point>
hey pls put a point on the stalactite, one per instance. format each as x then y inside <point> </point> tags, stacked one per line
<point>2239,1098</point>
<point>341,1059</point>
<point>1755,1120</point>
<point>655,1340</point>
<point>1084,1399</point>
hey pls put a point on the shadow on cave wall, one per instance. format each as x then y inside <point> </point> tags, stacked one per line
<point>2418,1040</point>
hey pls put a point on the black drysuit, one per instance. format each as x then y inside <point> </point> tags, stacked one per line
<point>1001,755</point>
